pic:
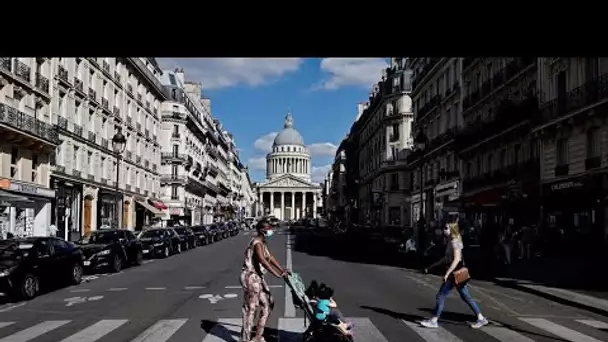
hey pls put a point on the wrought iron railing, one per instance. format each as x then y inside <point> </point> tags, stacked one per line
<point>42,83</point>
<point>22,70</point>
<point>78,85</point>
<point>16,119</point>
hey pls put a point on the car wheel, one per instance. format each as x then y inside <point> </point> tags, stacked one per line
<point>166,252</point>
<point>179,248</point>
<point>139,258</point>
<point>116,265</point>
<point>30,287</point>
<point>76,276</point>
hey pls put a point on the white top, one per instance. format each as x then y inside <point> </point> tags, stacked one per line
<point>449,250</point>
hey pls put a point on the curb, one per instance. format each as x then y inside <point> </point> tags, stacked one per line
<point>565,297</point>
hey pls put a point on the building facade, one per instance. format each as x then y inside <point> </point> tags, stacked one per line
<point>378,137</point>
<point>288,192</point>
<point>29,141</point>
<point>437,102</point>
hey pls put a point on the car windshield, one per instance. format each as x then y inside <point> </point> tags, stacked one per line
<point>152,233</point>
<point>100,237</point>
<point>198,229</point>
<point>10,250</point>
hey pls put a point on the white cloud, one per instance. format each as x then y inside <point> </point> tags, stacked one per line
<point>342,72</point>
<point>319,172</point>
<point>215,73</point>
<point>264,143</point>
<point>325,149</point>
<point>257,163</point>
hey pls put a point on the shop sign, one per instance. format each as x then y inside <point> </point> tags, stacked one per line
<point>28,189</point>
<point>566,185</point>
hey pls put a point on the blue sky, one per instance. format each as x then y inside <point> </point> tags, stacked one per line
<point>251,97</point>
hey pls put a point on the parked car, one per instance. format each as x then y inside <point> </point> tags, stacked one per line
<point>274,221</point>
<point>111,249</point>
<point>221,231</point>
<point>27,265</point>
<point>202,235</point>
<point>160,242</point>
<point>188,237</point>
<point>233,228</point>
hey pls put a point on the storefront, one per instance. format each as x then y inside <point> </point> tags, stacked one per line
<point>574,214</point>
<point>67,209</point>
<point>148,213</point>
<point>108,212</point>
<point>25,208</point>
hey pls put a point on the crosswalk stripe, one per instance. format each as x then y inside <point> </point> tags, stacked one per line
<point>5,324</point>
<point>96,331</point>
<point>558,330</point>
<point>290,329</point>
<point>593,323</point>
<point>505,334</point>
<point>161,331</point>
<point>432,334</point>
<point>33,332</point>
<point>226,330</point>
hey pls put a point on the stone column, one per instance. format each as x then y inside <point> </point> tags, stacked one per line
<point>314,203</point>
<point>293,205</point>
<point>272,203</point>
<point>261,205</point>
<point>282,205</point>
<point>303,203</point>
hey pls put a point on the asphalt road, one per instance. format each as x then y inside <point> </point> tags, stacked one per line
<point>184,297</point>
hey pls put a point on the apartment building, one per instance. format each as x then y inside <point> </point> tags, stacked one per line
<point>336,199</point>
<point>574,139</point>
<point>29,140</point>
<point>436,97</point>
<point>381,132</point>
<point>499,156</point>
<point>93,99</point>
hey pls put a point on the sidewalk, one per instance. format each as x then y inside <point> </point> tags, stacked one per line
<point>566,280</point>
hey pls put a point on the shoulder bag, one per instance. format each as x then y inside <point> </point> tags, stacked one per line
<point>461,276</point>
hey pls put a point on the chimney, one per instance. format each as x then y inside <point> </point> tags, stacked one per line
<point>179,74</point>
<point>361,106</point>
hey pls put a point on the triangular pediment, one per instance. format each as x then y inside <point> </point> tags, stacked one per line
<point>289,181</point>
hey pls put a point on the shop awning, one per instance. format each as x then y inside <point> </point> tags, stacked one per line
<point>150,208</point>
<point>158,204</point>
<point>13,199</point>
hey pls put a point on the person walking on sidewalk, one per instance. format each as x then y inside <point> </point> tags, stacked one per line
<point>453,258</point>
<point>258,261</point>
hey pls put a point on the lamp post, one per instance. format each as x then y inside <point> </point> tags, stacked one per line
<point>119,142</point>
<point>420,141</point>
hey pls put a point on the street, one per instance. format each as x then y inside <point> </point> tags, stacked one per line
<point>196,296</point>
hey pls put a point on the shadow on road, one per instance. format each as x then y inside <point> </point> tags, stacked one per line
<point>221,331</point>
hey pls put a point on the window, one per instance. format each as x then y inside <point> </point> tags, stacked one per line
<point>395,132</point>
<point>91,120</point>
<point>172,79</point>
<point>562,151</point>
<point>92,79</point>
<point>516,154</point>
<point>174,191</point>
<point>593,142</point>
<point>59,245</point>
<point>60,104</point>
<point>77,108</point>
<point>35,164</point>
<point>14,162</point>
<point>394,181</point>
<point>104,170</point>
<point>75,158</point>
<point>175,150</point>
<point>175,130</point>
<point>90,163</point>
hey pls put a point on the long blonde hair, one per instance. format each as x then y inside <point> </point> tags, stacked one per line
<point>455,231</point>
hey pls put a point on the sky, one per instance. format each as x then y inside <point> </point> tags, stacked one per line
<point>251,96</point>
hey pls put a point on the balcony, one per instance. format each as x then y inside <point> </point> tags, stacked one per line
<point>593,163</point>
<point>521,171</point>
<point>62,74</point>
<point>175,135</point>
<point>393,137</point>
<point>105,104</point>
<point>138,127</point>
<point>78,130</point>
<point>20,121</point>
<point>139,98</point>
<point>5,64</point>
<point>91,177</point>
<point>129,155</point>
<point>429,106</point>
<point>92,137</point>
<point>562,170</point>
<point>173,179</point>
<point>173,157</point>
<point>146,163</point>
<point>130,89</point>
<point>116,111</point>
<point>138,159</point>
<point>78,85</point>
<point>76,173</point>
<point>93,61</point>
<point>425,70</point>
<point>147,133</point>
<point>128,187</point>
<point>104,143</point>
<point>106,67</point>
<point>129,120</point>
<point>117,77</point>
<point>137,189</point>
<point>212,170</point>
<point>92,94</point>
<point>146,193</point>
<point>154,167</point>
<point>42,83</point>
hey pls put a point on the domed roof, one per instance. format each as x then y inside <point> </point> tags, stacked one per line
<point>289,135</point>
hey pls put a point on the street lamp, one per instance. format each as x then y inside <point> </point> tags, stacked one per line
<point>119,142</point>
<point>420,141</point>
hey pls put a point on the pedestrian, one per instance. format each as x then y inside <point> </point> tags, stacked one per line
<point>258,261</point>
<point>52,230</point>
<point>453,258</point>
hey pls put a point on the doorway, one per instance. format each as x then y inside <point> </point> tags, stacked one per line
<point>125,214</point>
<point>88,214</point>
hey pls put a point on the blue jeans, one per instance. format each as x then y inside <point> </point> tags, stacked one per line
<point>445,290</point>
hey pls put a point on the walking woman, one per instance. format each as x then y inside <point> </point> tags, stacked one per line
<point>258,261</point>
<point>453,258</point>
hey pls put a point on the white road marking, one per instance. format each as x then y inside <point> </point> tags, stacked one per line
<point>226,330</point>
<point>290,309</point>
<point>432,334</point>
<point>12,306</point>
<point>230,295</point>
<point>77,300</point>
<point>188,288</point>
<point>117,289</point>
<point>147,262</point>
<point>5,324</point>
<point>80,290</point>
<point>593,323</point>
<point>161,331</point>
<point>33,332</point>
<point>205,296</point>
<point>504,334</point>
<point>96,331</point>
<point>156,288</point>
<point>558,330</point>
<point>240,287</point>
<point>94,298</point>
<point>290,329</point>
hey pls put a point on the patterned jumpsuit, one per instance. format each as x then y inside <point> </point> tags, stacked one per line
<point>256,291</point>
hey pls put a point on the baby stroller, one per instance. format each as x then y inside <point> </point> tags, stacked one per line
<point>317,331</point>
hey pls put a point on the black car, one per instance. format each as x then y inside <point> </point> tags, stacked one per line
<point>111,249</point>
<point>27,265</point>
<point>223,230</point>
<point>233,228</point>
<point>203,235</point>
<point>160,242</point>
<point>188,237</point>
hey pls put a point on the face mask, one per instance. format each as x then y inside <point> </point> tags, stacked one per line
<point>268,233</point>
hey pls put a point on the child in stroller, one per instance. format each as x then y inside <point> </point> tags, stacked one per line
<point>321,297</point>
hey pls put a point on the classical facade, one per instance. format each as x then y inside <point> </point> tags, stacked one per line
<point>288,192</point>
